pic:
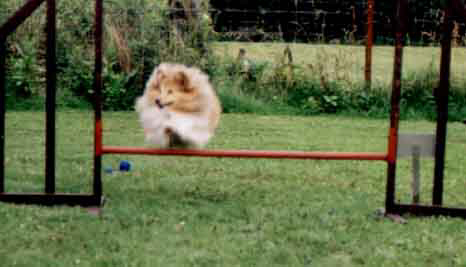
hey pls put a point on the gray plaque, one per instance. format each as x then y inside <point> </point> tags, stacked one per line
<point>424,144</point>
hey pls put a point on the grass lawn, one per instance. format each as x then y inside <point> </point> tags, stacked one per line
<point>172,211</point>
<point>345,59</point>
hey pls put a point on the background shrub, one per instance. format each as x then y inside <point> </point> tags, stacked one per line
<point>139,34</point>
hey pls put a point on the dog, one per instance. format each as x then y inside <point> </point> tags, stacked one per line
<point>179,107</point>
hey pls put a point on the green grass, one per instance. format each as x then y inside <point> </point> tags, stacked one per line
<point>227,212</point>
<point>338,60</point>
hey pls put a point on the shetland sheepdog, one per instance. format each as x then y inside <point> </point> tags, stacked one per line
<point>179,107</point>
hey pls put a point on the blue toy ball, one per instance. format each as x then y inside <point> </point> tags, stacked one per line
<point>125,166</point>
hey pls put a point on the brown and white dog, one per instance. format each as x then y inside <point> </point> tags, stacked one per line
<point>179,107</point>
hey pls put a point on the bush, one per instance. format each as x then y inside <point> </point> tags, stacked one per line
<point>307,96</point>
<point>137,36</point>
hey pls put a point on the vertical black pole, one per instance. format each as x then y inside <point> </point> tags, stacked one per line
<point>97,186</point>
<point>442,106</point>
<point>400,18</point>
<point>2,113</point>
<point>50,99</point>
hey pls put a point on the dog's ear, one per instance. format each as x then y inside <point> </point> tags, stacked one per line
<point>183,80</point>
<point>156,78</point>
<point>159,75</point>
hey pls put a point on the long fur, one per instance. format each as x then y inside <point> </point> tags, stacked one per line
<point>179,107</point>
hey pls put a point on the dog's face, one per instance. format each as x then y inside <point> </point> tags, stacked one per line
<point>172,90</point>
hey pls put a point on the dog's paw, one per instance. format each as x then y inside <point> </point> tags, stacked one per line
<point>175,140</point>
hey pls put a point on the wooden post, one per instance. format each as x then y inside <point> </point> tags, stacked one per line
<point>2,113</point>
<point>442,106</point>
<point>369,43</point>
<point>401,17</point>
<point>98,63</point>
<point>50,100</point>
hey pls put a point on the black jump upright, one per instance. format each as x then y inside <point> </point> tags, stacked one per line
<point>49,197</point>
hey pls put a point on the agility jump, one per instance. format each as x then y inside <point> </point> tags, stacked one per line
<point>453,10</point>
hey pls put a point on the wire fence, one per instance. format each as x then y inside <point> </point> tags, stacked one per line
<point>306,20</point>
<point>322,22</point>
<point>321,39</point>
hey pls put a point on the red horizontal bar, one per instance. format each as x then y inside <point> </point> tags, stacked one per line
<point>246,153</point>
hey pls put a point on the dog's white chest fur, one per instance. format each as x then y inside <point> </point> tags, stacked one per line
<point>193,130</point>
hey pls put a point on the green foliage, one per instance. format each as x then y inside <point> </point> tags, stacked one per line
<point>238,102</point>
<point>310,96</point>
<point>137,36</point>
<point>118,93</point>
<point>22,72</point>
<point>329,86</point>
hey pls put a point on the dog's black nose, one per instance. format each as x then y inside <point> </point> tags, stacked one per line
<point>158,103</point>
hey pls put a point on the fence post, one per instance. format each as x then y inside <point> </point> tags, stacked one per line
<point>369,43</point>
<point>2,113</point>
